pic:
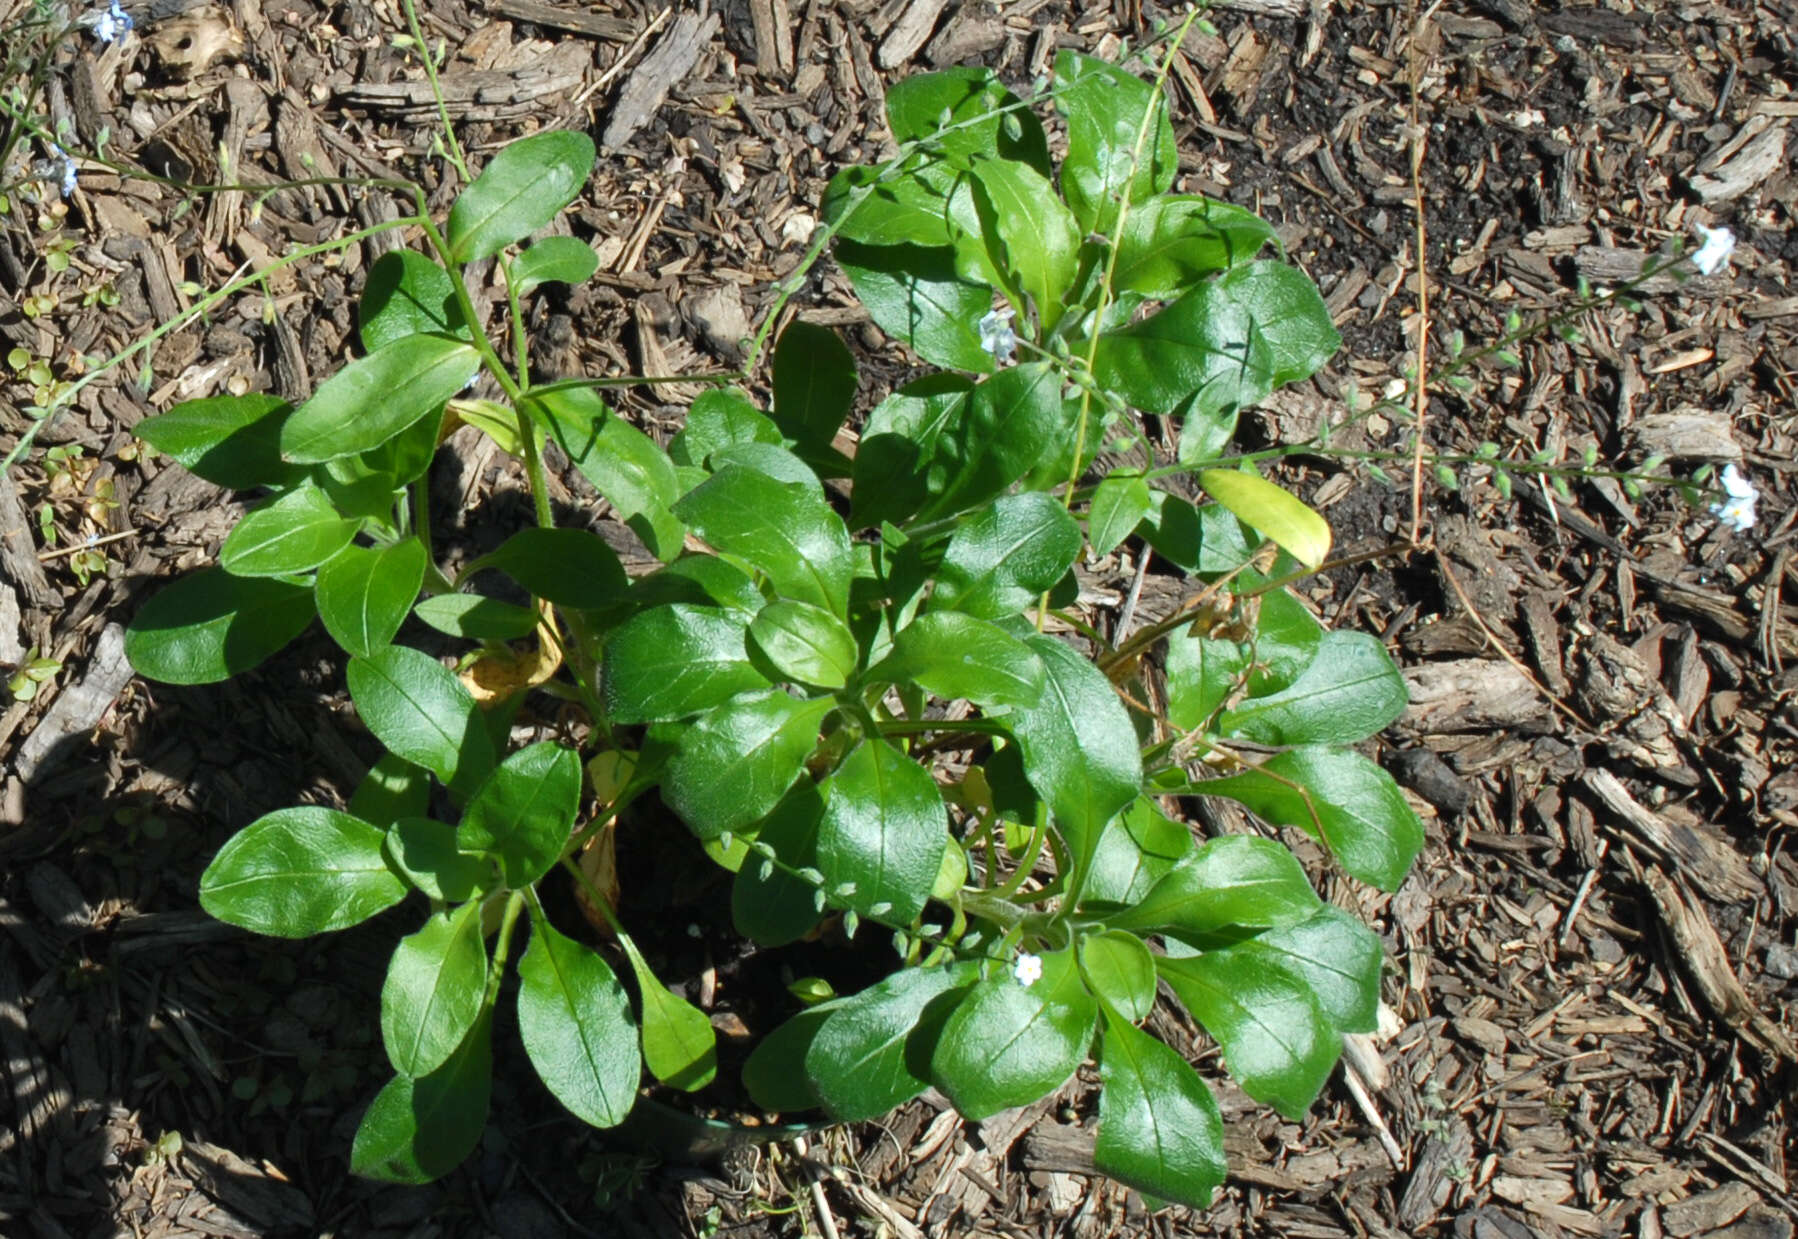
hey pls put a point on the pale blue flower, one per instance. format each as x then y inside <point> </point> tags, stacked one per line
<point>1736,509</point>
<point>110,23</point>
<point>67,170</point>
<point>1719,243</point>
<point>996,335</point>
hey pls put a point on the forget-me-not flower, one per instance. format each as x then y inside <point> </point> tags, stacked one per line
<point>996,335</point>
<point>1028,970</point>
<point>109,23</point>
<point>1719,243</point>
<point>1736,509</point>
<point>67,171</point>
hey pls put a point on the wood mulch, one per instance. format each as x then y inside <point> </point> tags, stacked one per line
<point>1594,965</point>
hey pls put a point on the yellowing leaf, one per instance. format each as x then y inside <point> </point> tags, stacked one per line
<point>1277,513</point>
<point>496,675</point>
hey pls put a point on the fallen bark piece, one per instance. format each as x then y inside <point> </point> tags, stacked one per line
<point>660,72</point>
<point>1759,159</point>
<point>1701,854</point>
<point>78,709</point>
<point>1472,694</point>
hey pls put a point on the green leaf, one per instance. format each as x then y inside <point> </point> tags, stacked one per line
<point>291,533</point>
<point>1135,854</point>
<point>774,1074</point>
<point>1169,244</point>
<point>298,872</point>
<point>675,661</point>
<point>996,436</point>
<point>1202,672</point>
<point>1160,1130</point>
<point>1340,797</point>
<point>1002,558</point>
<point>873,1051</point>
<point>520,190</point>
<point>524,812</point>
<point>1338,958</point>
<point>426,852</point>
<point>210,626</point>
<point>1233,880</point>
<point>392,789</point>
<point>717,419</point>
<point>407,294</point>
<point>787,532</point>
<point>679,1046</point>
<point>1037,240</point>
<point>418,1130</point>
<point>1007,1044</point>
<point>884,830</point>
<point>477,618</point>
<point>376,397</point>
<point>1112,154</point>
<point>567,567</point>
<point>1222,346</point>
<point>1080,751</point>
<point>234,441</point>
<point>625,465</point>
<point>918,297</point>
<point>364,593</point>
<point>1349,691</point>
<point>774,907</point>
<point>575,1021</point>
<point>1276,1040</point>
<point>417,708</point>
<point>898,442</point>
<point>964,112</point>
<point>1207,540</point>
<point>956,656</point>
<point>432,996</point>
<point>804,643</point>
<point>1120,971</point>
<point>558,260</point>
<point>1119,505</point>
<point>814,384</point>
<point>701,581</point>
<point>1276,512</point>
<point>737,761</point>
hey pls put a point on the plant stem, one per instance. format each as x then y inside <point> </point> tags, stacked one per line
<point>502,947</point>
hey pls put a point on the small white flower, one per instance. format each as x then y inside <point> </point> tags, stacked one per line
<point>1719,243</point>
<point>67,171</point>
<point>996,336</point>
<point>109,23</point>
<point>1737,508</point>
<point>1028,970</point>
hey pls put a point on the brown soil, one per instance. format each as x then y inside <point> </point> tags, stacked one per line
<point>1593,965</point>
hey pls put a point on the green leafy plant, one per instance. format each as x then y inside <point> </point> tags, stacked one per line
<point>843,678</point>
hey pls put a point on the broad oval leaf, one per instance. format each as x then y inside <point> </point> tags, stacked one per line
<point>432,995</point>
<point>392,789</point>
<point>364,593</point>
<point>717,419</point>
<point>1003,557</point>
<point>210,626</point>
<point>958,657</point>
<point>805,643</point>
<point>918,297</point>
<point>234,441</point>
<point>407,294</point>
<point>964,112</point>
<point>575,1021</point>
<point>1120,143</point>
<point>873,1051</point>
<point>1008,1044</point>
<point>292,533</point>
<point>1275,511</point>
<point>774,1073</point>
<point>376,397</point>
<point>1120,971</point>
<point>521,189</point>
<point>559,260</point>
<point>1168,244</point>
<point>892,462</point>
<point>675,661</point>
<point>1160,1130</point>
<point>1029,233</point>
<point>1277,1041</point>
<point>419,1130</point>
<point>300,871</point>
<point>477,618</point>
<point>1235,880</point>
<point>567,567</point>
<point>679,1046</point>
<point>425,851</point>
<point>884,830</point>
<point>814,384</point>
<point>1135,854</point>
<point>1204,672</point>
<point>788,532</point>
<point>1338,958</point>
<point>1118,507</point>
<point>735,763</point>
<point>996,436</point>
<point>1339,796</point>
<point>1080,751</point>
<point>525,811</point>
<point>417,708</point>
<point>625,465</point>
<point>1222,346</point>
<point>1349,691</point>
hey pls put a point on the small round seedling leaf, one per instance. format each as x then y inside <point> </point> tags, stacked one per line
<point>300,871</point>
<point>560,260</point>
